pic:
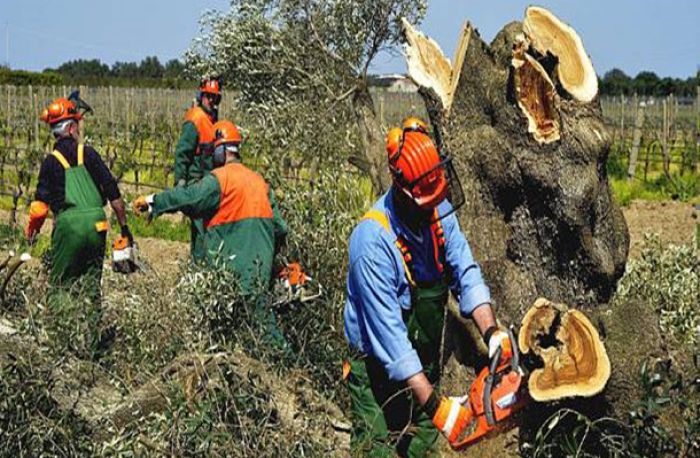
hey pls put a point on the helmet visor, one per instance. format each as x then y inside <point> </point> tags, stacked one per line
<point>437,184</point>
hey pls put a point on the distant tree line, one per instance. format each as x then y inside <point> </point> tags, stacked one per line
<point>150,72</point>
<point>617,82</point>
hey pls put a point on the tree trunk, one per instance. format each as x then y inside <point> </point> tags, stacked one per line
<point>530,147</point>
<point>374,164</point>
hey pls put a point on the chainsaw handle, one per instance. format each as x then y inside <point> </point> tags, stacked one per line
<point>515,362</point>
<point>488,386</point>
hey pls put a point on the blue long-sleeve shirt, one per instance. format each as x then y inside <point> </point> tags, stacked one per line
<point>378,290</point>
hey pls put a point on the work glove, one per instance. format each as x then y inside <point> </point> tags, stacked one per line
<point>37,214</point>
<point>126,233</point>
<point>452,418</point>
<point>143,205</point>
<point>498,338</point>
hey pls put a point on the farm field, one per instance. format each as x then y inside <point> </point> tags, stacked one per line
<point>159,315</point>
<point>136,131</point>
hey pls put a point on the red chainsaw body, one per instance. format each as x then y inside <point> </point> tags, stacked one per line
<point>508,396</point>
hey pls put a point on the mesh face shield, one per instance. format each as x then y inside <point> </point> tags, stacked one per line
<point>454,192</point>
<point>428,182</point>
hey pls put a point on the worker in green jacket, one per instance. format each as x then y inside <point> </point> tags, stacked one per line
<point>194,150</point>
<point>243,227</point>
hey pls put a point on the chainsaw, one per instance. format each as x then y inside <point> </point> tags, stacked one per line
<point>124,256</point>
<point>294,286</point>
<point>499,391</point>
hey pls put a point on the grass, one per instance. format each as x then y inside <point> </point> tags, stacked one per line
<point>657,186</point>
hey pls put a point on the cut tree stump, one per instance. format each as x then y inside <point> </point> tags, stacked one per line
<point>574,359</point>
<point>530,147</point>
<point>522,121</point>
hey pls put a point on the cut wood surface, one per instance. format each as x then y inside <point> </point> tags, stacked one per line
<point>549,35</point>
<point>574,358</point>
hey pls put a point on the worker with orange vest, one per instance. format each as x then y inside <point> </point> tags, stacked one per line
<point>193,153</point>
<point>243,228</point>
<point>74,183</point>
<point>406,254</point>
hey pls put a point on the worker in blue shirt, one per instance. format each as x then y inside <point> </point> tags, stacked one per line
<point>406,254</point>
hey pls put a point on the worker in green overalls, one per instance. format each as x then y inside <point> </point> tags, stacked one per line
<point>74,183</point>
<point>193,153</point>
<point>406,254</point>
<point>243,227</point>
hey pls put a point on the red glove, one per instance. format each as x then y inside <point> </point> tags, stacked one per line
<point>38,211</point>
<point>452,418</point>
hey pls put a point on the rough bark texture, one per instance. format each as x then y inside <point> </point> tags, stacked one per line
<point>540,217</point>
<point>374,163</point>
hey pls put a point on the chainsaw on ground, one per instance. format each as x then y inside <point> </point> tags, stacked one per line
<point>499,392</point>
<point>125,256</point>
<point>294,286</point>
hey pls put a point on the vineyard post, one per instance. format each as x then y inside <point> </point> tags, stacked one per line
<point>30,104</point>
<point>697,130</point>
<point>622,118</point>
<point>381,109</point>
<point>111,106</point>
<point>664,138</point>
<point>36,120</point>
<point>9,116</point>
<point>636,141</point>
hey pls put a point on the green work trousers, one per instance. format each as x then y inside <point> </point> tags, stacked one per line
<point>386,419</point>
<point>77,247</point>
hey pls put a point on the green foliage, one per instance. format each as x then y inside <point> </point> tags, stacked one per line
<point>73,318</point>
<point>235,416</point>
<point>31,424</point>
<point>571,433</point>
<point>25,78</point>
<point>162,228</point>
<point>625,191</point>
<point>644,433</point>
<point>667,279</point>
<point>616,82</point>
<point>283,57</point>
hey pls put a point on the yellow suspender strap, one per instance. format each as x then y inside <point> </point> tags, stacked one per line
<point>383,221</point>
<point>81,153</point>
<point>61,159</point>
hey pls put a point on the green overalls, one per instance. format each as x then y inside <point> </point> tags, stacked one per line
<point>77,252</point>
<point>386,419</point>
<point>79,235</point>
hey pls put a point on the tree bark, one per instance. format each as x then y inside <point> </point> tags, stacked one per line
<point>540,216</point>
<point>539,213</point>
<point>374,162</point>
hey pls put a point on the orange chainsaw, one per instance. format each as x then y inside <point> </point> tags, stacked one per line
<point>499,391</point>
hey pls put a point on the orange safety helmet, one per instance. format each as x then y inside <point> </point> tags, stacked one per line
<point>415,164</point>
<point>210,86</point>
<point>60,110</point>
<point>393,141</point>
<point>415,124</point>
<point>226,132</point>
<point>226,136</point>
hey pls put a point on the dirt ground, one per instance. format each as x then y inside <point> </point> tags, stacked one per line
<point>674,222</point>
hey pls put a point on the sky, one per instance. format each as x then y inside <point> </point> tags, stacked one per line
<point>657,35</point>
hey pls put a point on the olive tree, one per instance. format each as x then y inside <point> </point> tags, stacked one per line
<point>299,71</point>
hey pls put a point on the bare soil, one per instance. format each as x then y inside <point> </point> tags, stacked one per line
<point>674,222</point>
